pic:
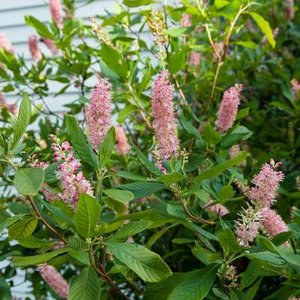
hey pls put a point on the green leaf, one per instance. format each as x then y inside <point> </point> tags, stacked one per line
<point>86,286</point>
<point>225,193</point>
<point>176,61</point>
<point>211,135</point>
<point>264,27</point>
<point>50,172</point>
<point>41,28</point>
<point>267,245</point>
<point>282,237</point>
<point>33,242</point>
<point>240,133</point>
<point>195,285</point>
<point>25,261</point>
<point>23,228</point>
<point>136,3</point>
<point>125,112</point>
<point>246,44</point>
<point>29,181</point>
<point>86,215</point>
<point>22,121</point>
<point>106,148</point>
<point>79,143</point>
<point>145,263</point>
<point>217,170</point>
<point>243,113</point>
<point>171,178</point>
<point>221,3</point>
<point>4,289</point>
<point>176,32</point>
<point>119,195</point>
<point>142,189</point>
<point>80,255</point>
<point>131,229</point>
<point>228,242</point>
<point>144,160</point>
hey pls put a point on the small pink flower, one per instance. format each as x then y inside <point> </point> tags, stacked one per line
<point>229,108</point>
<point>266,185</point>
<point>289,10</point>
<point>273,223</point>
<point>55,280</point>
<point>195,59</point>
<point>163,115</point>
<point>121,139</point>
<point>56,12</point>
<point>51,45</point>
<point>98,114</point>
<point>34,48</point>
<point>218,209</point>
<point>5,44</point>
<point>186,20</point>
<point>295,87</point>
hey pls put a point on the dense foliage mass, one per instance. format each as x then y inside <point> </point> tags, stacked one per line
<point>174,173</point>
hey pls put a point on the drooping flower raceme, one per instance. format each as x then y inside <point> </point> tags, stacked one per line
<point>56,12</point>
<point>164,119</point>
<point>98,114</point>
<point>5,43</point>
<point>266,185</point>
<point>228,108</point>
<point>50,44</point>
<point>272,222</point>
<point>73,181</point>
<point>121,139</point>
<point>34,48</point>
<point>55,280</point>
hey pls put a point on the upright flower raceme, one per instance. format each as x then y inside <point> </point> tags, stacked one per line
<point>34,48</point>
<point>5,43</point>
<point>55,280</point>
<point>272,222</point>
<point>218,209</point>
<point>56,12</point>
<point>295,87</point>
<point>73,181</point>
<point>228,108</point>
<point>164,119</point>
<point>121,139</point>
<point>50,44</point>
<point>98,114</point>
<point>194,58</point>
<point>266,185</point>
<point>289,10</point>
<point>186,20</point>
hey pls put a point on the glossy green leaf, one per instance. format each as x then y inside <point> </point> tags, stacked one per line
<point>119,195</point>
<point>171,178</point>
<point>142,189</point>
<point>106,148</point>
<point>40,27</point>
<point>22,228</point>
<point>228,242</point>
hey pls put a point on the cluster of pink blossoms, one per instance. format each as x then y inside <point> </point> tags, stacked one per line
<point>13,108</point>
<point>218,209</point>
<point>295,87</point>
<point>228,108</point>
<point>5,43</point>
<point>195,58</point>
<point>186,20</point>
<point>289,9</point>
<point>50,44</point>
<point>121,139</point>
<point>73,181</point>
<point>260,215</point>
<point>34,48</point>
<point>163,115</point>
<point>55,280</point>
<point>98,114</point>
<point>56,12</point>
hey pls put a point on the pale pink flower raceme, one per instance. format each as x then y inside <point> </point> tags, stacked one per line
<point>194,58</point>
<point>13,108</point>
<point>5,43</point>
<point>289,10</point>
<point>273,223</point>
<point>56,12</point>
<point>98,114</point>
<point>266,185</point>
<point>164,119</point>
<point>55,280</point>
<point>34,48</point>
<point>295,87</point>
<point>218,209</point>
<point>73,181</point>
<point>50,44</point>
<point>121,139</point>
<point>229,108</point>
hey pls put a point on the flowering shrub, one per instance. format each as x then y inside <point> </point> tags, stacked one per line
<point>174,174</point>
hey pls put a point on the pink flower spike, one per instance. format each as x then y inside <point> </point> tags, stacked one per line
<point>218,209</point>
<point>194,59</point>
<point>273,223</point>
<point>5,44</point>
<point>289,10</point>
<point>296,88</point>
<point>266,185</point>
<point>163,115</point>
<point>34,48</point>
<point>122,144</point>
<point>98,114</point>
<point>186,20</point>
<point>50,44</point>
<point>55,280</point>
<point>228,108</point>
<point>56,12</point>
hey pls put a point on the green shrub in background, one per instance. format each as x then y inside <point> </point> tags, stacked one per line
<point>177,175</point>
